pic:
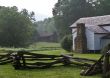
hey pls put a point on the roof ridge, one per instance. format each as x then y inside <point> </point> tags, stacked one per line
<point>94,16</point>
<point>96,20</point>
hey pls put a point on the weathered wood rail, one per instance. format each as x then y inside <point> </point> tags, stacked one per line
<point>101,66</point>
<point>22,58</point>
<point>94,68</point>
<point>106,65</point>
<point>26,59</point>
<point>5,57</point>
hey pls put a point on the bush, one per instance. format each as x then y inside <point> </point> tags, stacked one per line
<point>105,49</point>
<point>66,43</point>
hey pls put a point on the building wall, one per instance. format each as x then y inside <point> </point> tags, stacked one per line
<point>89,36</point>
<point>97,42</point>
<point>74,34</point>
<point>90,39</point>
<point>107,27</point>
<point>94,41</point>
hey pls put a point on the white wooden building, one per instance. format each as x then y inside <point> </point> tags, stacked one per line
<point>97,31</point>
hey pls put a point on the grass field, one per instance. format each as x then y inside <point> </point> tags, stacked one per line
<point>7,71</point>
<point>44,44</point>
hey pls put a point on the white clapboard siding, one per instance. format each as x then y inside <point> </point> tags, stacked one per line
<point>97,42</point>
<point>74,34</point>
<point>94,41</point>
<point>90,39</point>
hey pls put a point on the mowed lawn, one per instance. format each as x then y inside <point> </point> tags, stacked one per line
<point>7,71</point>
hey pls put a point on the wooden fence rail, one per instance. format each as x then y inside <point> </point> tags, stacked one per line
<point>5,58</point>
<point>26,59</point>
<point>106,65</point>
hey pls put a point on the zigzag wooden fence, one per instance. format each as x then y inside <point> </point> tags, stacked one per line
<point>27,60</point>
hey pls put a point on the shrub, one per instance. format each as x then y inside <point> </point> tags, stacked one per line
<point>105,49</point>
<point>66,43</point>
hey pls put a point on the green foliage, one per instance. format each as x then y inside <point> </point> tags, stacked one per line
<point>105,49</point>
<point>66,43</point>
<point>67,12</point>
<point>30,15</point>
<point>15,28</point>
<point>103,8</point>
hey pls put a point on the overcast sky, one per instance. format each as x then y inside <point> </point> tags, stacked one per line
<point>42,8</point>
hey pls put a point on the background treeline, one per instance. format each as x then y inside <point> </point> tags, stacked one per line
<point>46,30</point>
<point>20,29</point>
<point>16,27</point>
<point>66,12</point>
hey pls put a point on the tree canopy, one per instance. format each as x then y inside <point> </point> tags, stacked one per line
<point>15,27</point>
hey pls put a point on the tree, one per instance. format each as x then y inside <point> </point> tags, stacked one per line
<point>67,12</point>
<point>15,28</point>
<point>103,7</point>
<point>30,15</point>
<point>66,43</point>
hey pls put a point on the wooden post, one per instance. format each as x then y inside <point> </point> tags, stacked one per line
<point>21,54</point>
<point>23,60</point>
<point>106,65</point>
<point>17,63</point>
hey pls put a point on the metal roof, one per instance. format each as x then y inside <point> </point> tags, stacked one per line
<point>97,29</point>
<point>97,20</point>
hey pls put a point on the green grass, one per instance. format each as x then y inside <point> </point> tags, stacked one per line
<point>89,56</point>
<point>7,71</point>
<point>44,44</point>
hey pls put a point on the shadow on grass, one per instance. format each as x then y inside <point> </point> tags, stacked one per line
<point>54,68</point>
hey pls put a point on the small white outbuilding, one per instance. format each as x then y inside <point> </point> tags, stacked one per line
<point>91,34</point>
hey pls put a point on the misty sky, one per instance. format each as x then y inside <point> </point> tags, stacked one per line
<point>42,8</point>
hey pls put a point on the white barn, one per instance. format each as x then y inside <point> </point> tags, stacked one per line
<point>96,31</point>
